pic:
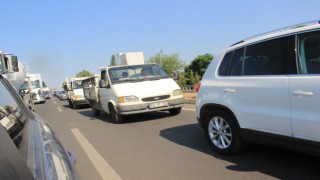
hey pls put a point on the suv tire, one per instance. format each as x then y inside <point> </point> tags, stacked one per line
<point>222,132</point>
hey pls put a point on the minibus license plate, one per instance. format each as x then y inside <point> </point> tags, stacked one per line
<point>158,104</point>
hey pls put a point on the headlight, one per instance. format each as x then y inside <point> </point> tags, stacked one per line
<point>176,92</point>
<point>127,99</point>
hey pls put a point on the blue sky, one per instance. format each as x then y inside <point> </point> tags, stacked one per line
<point>60,38</point>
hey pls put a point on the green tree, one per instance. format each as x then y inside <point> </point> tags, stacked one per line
<point>113,61</point>
<point>170,63</point>
<point>182,81</point>
<point>84,73</point>
<point>192,78</point>
<point>200,64</point>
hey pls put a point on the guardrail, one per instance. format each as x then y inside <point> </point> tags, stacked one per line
<point>187,88</point>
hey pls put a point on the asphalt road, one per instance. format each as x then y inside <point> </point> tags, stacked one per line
<point>160,146</point>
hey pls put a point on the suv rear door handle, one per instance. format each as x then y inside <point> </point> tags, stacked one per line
<point>302,93</point>
<point>229,90</point>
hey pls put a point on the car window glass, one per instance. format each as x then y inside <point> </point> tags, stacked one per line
<point>237,62</point>
<point>223,69</point>
<point>104,75</point>
<point>267,58</point>
<point>309,53</point>
<point>77,84</point>
<point>12,118</point>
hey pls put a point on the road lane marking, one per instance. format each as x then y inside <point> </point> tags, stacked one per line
<point>187,109</point>
<point>102,166</point>
<point>59,109</point>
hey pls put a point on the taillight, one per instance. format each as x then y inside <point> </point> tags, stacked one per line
<point>197,87</point>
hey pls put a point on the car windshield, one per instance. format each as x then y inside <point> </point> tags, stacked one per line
<point>77,84</point>
<point>136,73</point>
<point>34,84</point>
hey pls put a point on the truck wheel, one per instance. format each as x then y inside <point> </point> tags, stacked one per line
<point>31,107</point>
<point>95,112</point>
<point>70,103</point>
<point>175,111</point>
<point>117,118</point>
<point>74,105</point>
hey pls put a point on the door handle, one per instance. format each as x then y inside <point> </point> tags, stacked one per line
<point>229,90</point>
<point>302,93</point>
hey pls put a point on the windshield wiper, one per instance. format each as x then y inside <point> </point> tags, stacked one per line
<point>154,78</point>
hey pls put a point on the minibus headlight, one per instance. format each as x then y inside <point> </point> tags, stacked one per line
<point>127,99</point>
<point>176,92</point>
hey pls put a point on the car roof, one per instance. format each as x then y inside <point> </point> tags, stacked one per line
<point>277,33</point>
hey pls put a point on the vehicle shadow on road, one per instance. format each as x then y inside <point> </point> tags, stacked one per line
<point>128,119</point>
<point>79,106</point>
<point>278,163</point>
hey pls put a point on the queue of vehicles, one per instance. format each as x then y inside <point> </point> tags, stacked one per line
<point>133,87</point>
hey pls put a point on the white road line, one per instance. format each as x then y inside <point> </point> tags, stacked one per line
<point>102,166</point>
<point>59,109</point>
<point>187,109</point>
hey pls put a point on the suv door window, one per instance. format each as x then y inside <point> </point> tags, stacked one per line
<point>268,58</point>
<point>309,53</point>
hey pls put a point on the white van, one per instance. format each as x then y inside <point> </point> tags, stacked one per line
<point>132,89</point>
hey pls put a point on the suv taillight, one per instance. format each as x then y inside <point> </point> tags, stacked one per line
<point>197,87</point>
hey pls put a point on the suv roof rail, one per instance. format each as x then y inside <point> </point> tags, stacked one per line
<point>280,30</point>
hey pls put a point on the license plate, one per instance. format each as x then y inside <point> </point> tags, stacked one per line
<point>158,104</point>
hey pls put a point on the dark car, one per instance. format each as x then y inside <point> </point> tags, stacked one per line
<point>33,150</point>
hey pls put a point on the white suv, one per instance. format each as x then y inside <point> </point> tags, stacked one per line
<point>264,89</point>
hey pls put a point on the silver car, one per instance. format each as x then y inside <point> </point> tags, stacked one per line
<point>31,151</point>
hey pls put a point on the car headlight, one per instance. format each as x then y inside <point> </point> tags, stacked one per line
<point>177,92</point>
<point>127,99</point>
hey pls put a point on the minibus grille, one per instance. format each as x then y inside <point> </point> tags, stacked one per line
<point>156,98</point>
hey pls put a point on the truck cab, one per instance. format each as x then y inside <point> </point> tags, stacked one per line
<point>75,93</point>
<point>33,83</point>
<point>134,89</point>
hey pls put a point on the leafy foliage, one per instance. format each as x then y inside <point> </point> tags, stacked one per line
<point>170,63</point>
<point>200,64</point>
<point>84,73</point>
<point>192,78</point>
